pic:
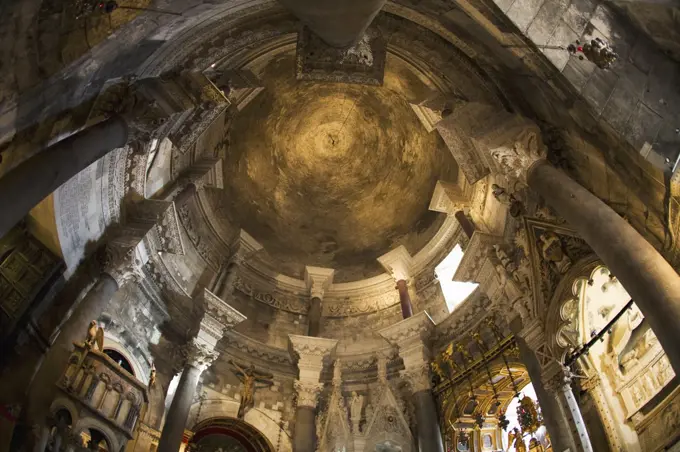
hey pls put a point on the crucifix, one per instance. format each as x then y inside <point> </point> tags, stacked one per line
<point>252,380</point>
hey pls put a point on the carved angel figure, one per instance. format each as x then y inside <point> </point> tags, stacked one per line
<point>251,380</point>
<point>515,440</point>
<point>356,404</point>
<point>152,376</point>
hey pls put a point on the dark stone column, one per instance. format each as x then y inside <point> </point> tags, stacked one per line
<point>429,435</point>
<point>176,419</point>
<point>465,223</point>
<point>644,273</point>
<point>404,299</point>
<point>26,185</point>
<point>304,438</point>
<point>554,417</point>
<point>314,317</point>
<point>224,286</point>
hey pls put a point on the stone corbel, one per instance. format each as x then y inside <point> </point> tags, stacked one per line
<point>436,107</point>
<point>243,246</point>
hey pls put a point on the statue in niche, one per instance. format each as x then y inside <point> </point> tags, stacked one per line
<point>251,380</point>
<point>552,251</point>
<point>355,406</point>
<point>95,336</point>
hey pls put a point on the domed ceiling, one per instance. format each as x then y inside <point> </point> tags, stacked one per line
<point>331,174</point>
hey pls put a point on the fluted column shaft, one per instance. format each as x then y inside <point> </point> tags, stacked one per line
<point>176,419</point>
<point>644,273</point>
<point>404,299</point>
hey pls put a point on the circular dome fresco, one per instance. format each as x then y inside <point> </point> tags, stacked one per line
<point>333,175</point>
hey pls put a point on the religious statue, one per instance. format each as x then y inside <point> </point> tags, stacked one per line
<point>152,376</point>
<point>355,406</point>
<point>552,251</point>
<point>250,379</point>
<point>95,336</point>
<point>535,446</point>
<point>515,440</point>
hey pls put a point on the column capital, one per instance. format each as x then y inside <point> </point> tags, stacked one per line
<point>318,280</point>
<point>418,378</point>
<point>398,263</point>
<point>197,353</point>
<point>118,260</point>
<point>308,393</point>
<point>515,147</point>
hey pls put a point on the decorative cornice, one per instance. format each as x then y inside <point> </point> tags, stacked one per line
<point>477,254</point>
<point>221,311</point>
<point>415,328</point>
<point>448,198</point>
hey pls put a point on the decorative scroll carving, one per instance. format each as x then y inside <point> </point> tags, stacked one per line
<point>278,301</point>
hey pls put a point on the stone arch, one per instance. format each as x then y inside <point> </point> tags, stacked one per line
<point>89,423</point>
<point>62,403</point>
<point>234,431</point>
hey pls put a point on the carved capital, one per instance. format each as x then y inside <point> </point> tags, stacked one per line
<point>119,262</point>
<point>448,198</point>
<point>514,147</point>
<point>308,393</point>
<point>243,246</point>
<point>197,353</point>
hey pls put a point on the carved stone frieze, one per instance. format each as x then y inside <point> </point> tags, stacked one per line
<point>279,301</point>
<point>362,63</point>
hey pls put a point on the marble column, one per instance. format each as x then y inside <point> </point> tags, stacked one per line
<point>311,352</point>
<point>411,337</point>
<point>318,280</point>
<point>27,184</point>
<point>556,421</point>
<point>644,273</point>
<point>304,436</point>
<point>198,358</point>
<point>568,395</point>
<point>404,299</point>
<point>198,355</point>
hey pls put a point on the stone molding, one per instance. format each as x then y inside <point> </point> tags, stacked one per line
<point>318,280</point>
<point>418,378</point>
<point>477,255</point>
<point>307,393</point>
